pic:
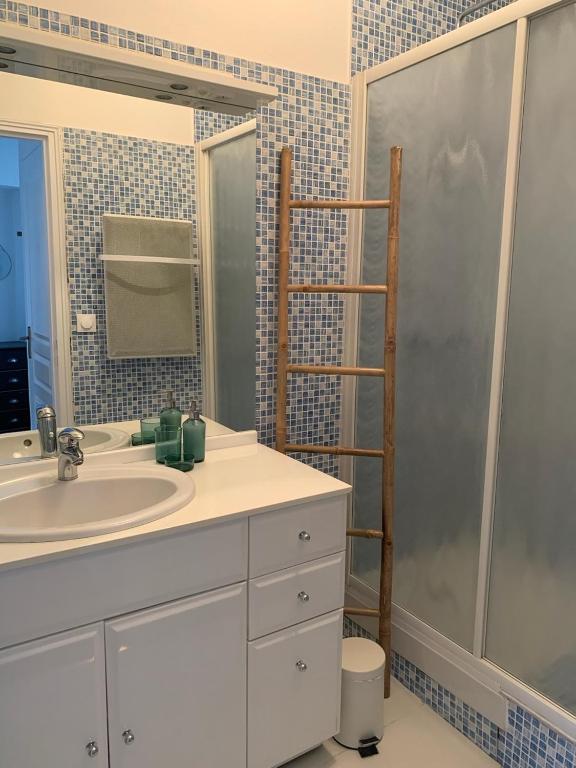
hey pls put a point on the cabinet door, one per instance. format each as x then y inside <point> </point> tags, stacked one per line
<point>53,702</point>
<point>294,690</point>
<point>176,679</point>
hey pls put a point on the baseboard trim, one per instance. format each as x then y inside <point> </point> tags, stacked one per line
<point>446,663</point>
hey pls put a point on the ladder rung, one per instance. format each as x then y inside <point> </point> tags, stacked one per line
<point>364,533</point>
<point>306,288</point>
<point>335,370</point>
<point>335,450</point>
<point>339,204</point>
<point>362,612</point>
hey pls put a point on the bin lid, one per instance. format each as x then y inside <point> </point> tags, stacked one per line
<point>363,659</point>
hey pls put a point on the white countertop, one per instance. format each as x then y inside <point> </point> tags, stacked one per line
<point>245,478</point>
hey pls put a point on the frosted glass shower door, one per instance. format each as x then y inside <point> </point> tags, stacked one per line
<point>450,113</point>
<point>531,628</point>
<point>233,214</point>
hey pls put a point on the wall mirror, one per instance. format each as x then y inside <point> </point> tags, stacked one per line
<point>127,256</point>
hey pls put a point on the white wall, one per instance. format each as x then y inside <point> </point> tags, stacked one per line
<point>30,100</point>
<point>310,36</point>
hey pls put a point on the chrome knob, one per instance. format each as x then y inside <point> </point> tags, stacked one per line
<point>128,737</point>
<point>92,749</point>
<point>301,666</point>
<point>304,536</point>
<point>303,596</point>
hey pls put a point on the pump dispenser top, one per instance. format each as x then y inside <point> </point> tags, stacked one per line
<point>170,416</point>
<point>194,435</point>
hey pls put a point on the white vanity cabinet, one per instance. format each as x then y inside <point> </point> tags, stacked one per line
<point>53,702</point>
<point>217,646</point>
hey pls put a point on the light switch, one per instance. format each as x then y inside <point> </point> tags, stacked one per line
<point>85,323</point>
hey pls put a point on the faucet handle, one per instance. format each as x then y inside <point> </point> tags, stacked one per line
<point>45,412</point>
<point>69,437</point>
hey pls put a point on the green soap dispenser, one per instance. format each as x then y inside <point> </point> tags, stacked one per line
<point>194,436</point>
<point>170,416</point>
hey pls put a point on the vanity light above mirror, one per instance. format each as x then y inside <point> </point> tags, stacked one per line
<point>77,62</point>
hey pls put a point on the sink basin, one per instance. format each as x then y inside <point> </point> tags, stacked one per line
<point>102,500</point>
<point>26,445</point>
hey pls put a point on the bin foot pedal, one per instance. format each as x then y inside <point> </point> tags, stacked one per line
<point>368,747</point>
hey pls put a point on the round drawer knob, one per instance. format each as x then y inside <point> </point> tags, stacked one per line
<point>301,666</point>
<point>304,536</point>
<point>92,749</point>
<point>303,596</point>
<point>128,737</point>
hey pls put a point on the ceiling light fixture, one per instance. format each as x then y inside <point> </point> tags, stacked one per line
<point>6,49</point>
<point>179,87</point>
<point>164,97</point>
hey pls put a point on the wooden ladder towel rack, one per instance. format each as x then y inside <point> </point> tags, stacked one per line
<point>390,289</point>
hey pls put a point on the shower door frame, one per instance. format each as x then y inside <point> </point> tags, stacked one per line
<point>204,213</point>
<point>470,676</point>
<point>51,138</point>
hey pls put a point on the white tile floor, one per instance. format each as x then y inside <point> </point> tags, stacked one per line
<point>414,737</point>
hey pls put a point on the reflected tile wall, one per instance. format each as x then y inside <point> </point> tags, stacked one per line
<point>105,173</point>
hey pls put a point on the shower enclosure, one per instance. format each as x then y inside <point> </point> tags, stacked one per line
<point>485,564</point>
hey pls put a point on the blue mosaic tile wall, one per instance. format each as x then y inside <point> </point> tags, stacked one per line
<point>104,173</point>
<point>526,743</point>
<point>382,29</point>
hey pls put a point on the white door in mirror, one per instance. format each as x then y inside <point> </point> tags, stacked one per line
<point>99,501</point>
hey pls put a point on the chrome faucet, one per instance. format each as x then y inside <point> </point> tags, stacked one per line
<point>46,417</point>
<point>70,454</point>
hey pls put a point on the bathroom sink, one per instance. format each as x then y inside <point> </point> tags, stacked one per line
<point>26,445</point>
<point>101,500</point>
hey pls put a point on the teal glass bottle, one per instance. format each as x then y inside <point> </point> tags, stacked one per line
<point>170,416</point>
<point>194,436</point>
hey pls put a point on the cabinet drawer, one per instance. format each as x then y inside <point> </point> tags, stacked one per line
<point>297,535</point>
<point>14,401</point>
<point>15,420</point>
<point>296,594</point>
<point>13,359</point>
<point>13,380</point>
<point>293,690</point>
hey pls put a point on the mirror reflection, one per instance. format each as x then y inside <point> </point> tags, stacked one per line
<point>127,267</point>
